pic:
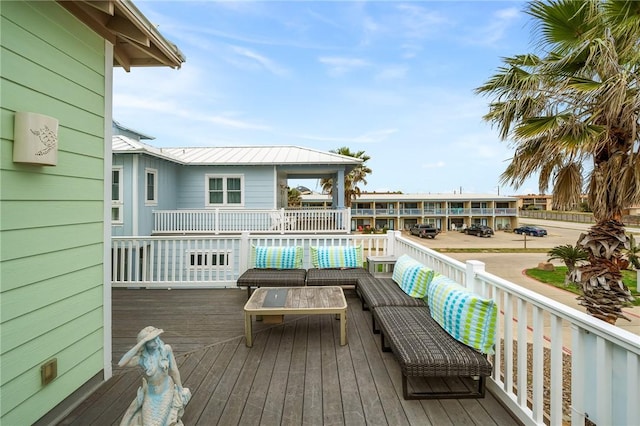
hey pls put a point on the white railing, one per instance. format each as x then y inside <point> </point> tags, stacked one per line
<point>225,221</point>
<point>602,360</point>
<point>212,261</point>
<point>541,339</point>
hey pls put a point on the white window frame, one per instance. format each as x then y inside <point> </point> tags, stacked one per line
<point>119,203</point>
<point>154,200</point>
<point>225,191</point>
<point>205,258</point>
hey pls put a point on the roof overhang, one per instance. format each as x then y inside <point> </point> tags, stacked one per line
<point>136,42</point>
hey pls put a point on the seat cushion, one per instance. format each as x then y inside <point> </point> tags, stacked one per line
<point>336,276</point>
<point>423,348</point>
<point>382,291</point>
<point>272,278</point>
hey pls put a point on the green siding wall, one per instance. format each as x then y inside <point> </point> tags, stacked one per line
<point>51,218</point>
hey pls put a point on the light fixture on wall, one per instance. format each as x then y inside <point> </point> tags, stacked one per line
<point>35,139</point>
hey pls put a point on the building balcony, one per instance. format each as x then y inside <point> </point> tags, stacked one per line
<point>235,221</point>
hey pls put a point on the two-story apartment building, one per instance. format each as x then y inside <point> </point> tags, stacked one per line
<point>444,211</point>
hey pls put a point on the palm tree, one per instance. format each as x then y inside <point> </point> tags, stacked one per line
<point>572,114</point>
<point>294,198</point>
<point>352,179</point>
<point>570,256</point>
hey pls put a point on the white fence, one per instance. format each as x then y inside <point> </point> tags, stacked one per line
<point>540,337</point>
<point>221,221</point>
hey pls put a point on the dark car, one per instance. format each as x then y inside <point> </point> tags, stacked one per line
<point>424,230</point>
<point>479,231</point>
<point>535,231</point>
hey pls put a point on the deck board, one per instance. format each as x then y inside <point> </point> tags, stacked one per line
<point>296,373</point>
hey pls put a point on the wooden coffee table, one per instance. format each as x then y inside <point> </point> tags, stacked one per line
<point>296,301</point>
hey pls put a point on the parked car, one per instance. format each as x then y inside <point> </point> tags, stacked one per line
<point>424,230</point>
<point>479,230</point>
<point>535,231</point>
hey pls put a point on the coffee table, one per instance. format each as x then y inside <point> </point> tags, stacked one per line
<point>296,301</point>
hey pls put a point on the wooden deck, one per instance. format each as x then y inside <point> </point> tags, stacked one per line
<point>296,373</point>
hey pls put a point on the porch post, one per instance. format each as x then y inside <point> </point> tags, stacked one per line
<point>243,255</point>
<point>471,284</point>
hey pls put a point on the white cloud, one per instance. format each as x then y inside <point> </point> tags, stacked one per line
<point>262,61</point>
<point>495,32</point>
<point>374,136</point>
<point>338,66</point>
<point>436,165</point>
<point>393,72</point>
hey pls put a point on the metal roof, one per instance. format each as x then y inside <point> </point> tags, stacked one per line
<point>235,155</point>
<point>259,155</point>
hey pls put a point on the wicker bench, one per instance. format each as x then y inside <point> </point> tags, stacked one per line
<point>376,292</point>
<point>336,276</point>
<point>263,277</point>
<point>424,349</point>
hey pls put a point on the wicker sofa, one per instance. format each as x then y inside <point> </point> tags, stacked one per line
<point>274,267</point>
<point>420,333</point>
<point>282,267</point>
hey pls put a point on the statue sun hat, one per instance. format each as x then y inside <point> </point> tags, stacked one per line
<point>145,335</point>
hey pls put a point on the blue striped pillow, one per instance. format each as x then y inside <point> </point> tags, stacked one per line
<point>336,257</point>
<point>466,316</point>
<point>277,257</point>
<point>412,276</point>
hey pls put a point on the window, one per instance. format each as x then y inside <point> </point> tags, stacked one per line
<point>151,187</point>
<point>117,199</point>
<point>198,259</point>
<point>224,190</point>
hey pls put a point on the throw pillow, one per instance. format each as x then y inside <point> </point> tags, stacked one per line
<point>466,316</point>
<point>277,257</point>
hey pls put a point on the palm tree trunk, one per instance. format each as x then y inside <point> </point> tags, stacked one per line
<point>603,292</point>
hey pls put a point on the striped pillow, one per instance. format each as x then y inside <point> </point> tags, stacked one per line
<point>412,276</point>
<point>336,257</point>
<point>466,316</point>
<point>277,257</point>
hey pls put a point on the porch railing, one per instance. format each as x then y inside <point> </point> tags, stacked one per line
<point>538,337</point>
<point>225,221</point>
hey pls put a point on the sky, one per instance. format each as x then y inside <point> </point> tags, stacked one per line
<point>393,79</point>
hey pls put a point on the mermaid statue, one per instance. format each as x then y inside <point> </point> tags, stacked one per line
<point>161,398</point>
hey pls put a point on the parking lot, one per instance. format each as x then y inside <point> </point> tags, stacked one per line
<point>502,239</point>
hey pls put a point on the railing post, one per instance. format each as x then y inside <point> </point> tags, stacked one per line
<point>282,221</point>
<point>216,221</point>
<point>243,255</point>
<point>391,242</point>
<point>473,267</point>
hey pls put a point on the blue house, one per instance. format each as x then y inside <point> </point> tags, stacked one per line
<point>206,189</point>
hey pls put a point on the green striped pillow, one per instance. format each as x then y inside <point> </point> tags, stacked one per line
<point>336,257</point>
<point>466,316</point>
<point>263,257</point>
<point>412,276</point>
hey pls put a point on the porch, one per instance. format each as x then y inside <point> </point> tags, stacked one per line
<point>229,221</point>
<point>295,374</point>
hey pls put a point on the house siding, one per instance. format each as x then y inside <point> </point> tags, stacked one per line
<point>167,180</point>
<point>259,182</point>
<point>51,218</point>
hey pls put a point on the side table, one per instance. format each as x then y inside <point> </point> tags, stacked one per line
<point>386,262</point>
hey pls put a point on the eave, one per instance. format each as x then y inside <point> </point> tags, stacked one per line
<point>136,42</point>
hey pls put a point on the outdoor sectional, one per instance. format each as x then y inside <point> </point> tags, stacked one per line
<point>434,327</point>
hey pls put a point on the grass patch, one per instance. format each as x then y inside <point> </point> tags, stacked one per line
<point>556,279</point>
